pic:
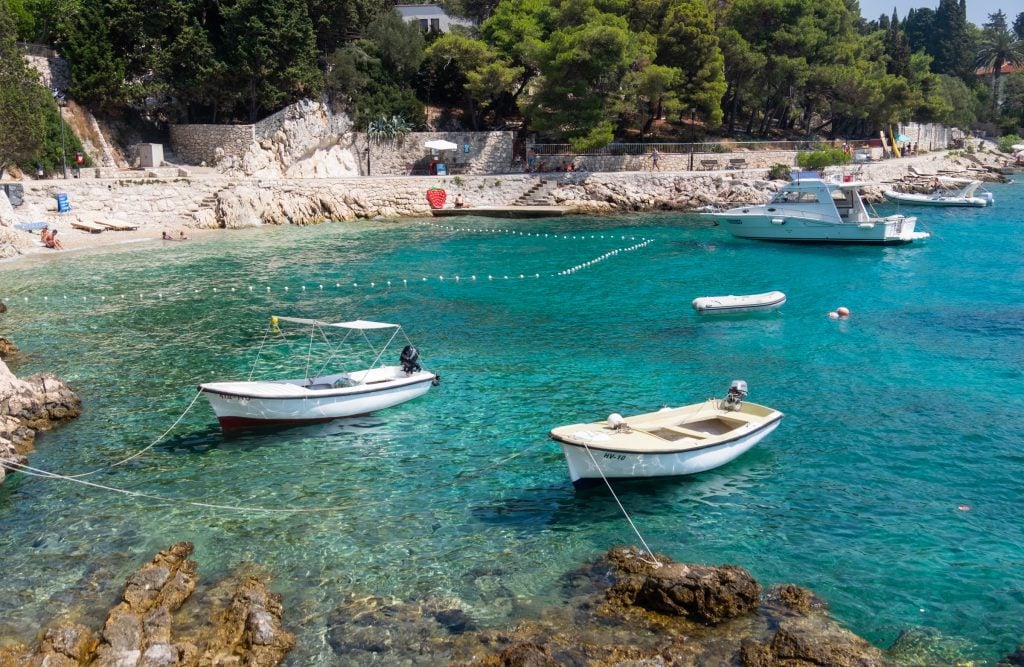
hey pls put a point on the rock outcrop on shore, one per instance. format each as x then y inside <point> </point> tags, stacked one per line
<point>242,624</point>
<point>623,609</point>
<point>37,403</point>
<point>216,201</point>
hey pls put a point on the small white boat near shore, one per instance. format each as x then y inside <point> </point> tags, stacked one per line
<point>321,396</point>
<point>947,192</point>
<point>669,442</point>
<point>743,303</point>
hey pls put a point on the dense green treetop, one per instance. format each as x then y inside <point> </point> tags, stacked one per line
<point>581,71</point>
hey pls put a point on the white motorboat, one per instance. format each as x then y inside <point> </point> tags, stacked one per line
<point>318,395</point>
<point>946,192</point>
<point>669,442</point>
<point>743,303</point>
<point>810,209</point>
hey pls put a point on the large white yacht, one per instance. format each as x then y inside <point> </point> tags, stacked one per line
<point>810,209</point>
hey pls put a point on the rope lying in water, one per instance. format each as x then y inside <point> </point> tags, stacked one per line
<point>45,474</point>
<point>141,451</point>
<point>654,561</point>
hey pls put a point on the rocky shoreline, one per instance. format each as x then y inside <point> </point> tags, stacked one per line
<point>626,607</point>
<point>179,199</point>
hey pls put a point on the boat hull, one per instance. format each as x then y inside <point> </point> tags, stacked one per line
<point>589,465</point>
<point>237,408</point>
<point>925,200</point>
<point>898,230</point>
<point>739,304</point>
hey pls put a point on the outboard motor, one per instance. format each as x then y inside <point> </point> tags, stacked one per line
<point>737,392</point>
<point>410,359</point>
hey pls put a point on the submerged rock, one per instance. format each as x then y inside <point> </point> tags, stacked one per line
<point>7,348</point>
<point>140,630</point>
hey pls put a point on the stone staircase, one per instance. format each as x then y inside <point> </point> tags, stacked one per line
<point>539,194</point>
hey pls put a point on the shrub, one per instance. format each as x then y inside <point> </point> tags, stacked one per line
<point>457,180</point>
<point>779,172</point>
<point>825,157</point>
<point>1007,141</point>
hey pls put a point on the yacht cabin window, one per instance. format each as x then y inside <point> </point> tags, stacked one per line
<point>796,197</point>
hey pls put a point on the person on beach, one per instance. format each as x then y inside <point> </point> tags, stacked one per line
<point>166,237</point>
<point>460,202</point>
<point>181,235</point>
<point>50,240</point>
<point>655,156</point>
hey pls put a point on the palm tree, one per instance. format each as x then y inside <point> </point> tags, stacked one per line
<point>999,47</point>
<point>386,131</point>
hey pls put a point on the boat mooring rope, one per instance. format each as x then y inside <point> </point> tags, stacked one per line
<point>77,479</point>
<point>654,561</point>
<point>141,451</point>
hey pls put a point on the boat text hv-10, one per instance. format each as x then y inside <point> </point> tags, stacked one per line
<point>669,442</point>
<point>321,395</point>
<point>810,209</point>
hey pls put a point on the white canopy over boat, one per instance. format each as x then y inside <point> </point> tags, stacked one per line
<point>322,395</point>
<point>359,325</point>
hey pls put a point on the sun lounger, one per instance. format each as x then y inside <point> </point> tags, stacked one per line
<point>117,226</point>
<point>90,227</point>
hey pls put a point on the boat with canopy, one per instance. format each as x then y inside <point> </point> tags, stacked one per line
<point>323,392</point>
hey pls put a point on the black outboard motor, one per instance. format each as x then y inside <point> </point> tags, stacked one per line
<point>410,359</point>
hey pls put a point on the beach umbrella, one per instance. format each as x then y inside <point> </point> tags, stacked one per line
<point>441,145</point>
<point>902,138</point>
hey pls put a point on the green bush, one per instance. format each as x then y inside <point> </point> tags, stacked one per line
<point>779,172</point>
<point>1007,141</point>
<point>826,157</point>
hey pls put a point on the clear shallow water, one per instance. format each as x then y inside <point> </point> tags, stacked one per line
<point>894,417</point>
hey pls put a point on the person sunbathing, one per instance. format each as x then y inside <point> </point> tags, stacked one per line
<point>50,240</point>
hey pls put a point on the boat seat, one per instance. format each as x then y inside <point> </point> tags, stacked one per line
<point>673,433</point>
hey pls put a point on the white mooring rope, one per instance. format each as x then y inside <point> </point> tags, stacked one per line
<point>654,561</point>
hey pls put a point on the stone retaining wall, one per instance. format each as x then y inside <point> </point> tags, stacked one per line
<point>195,144</point>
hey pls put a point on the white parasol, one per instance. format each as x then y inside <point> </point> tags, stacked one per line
<point>441,145</point>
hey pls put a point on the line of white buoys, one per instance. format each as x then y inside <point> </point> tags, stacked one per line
<point>607,255</point>
<point>386,284</point>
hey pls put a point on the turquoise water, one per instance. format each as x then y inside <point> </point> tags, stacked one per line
<point>895,417</point>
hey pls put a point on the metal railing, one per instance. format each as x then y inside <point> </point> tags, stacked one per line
<point>623,149</point>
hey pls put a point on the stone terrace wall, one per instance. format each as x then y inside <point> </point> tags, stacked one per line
<point>489,153</point>
<point>670,161</point>
<point>194,144</point>
<point>53,72</point>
